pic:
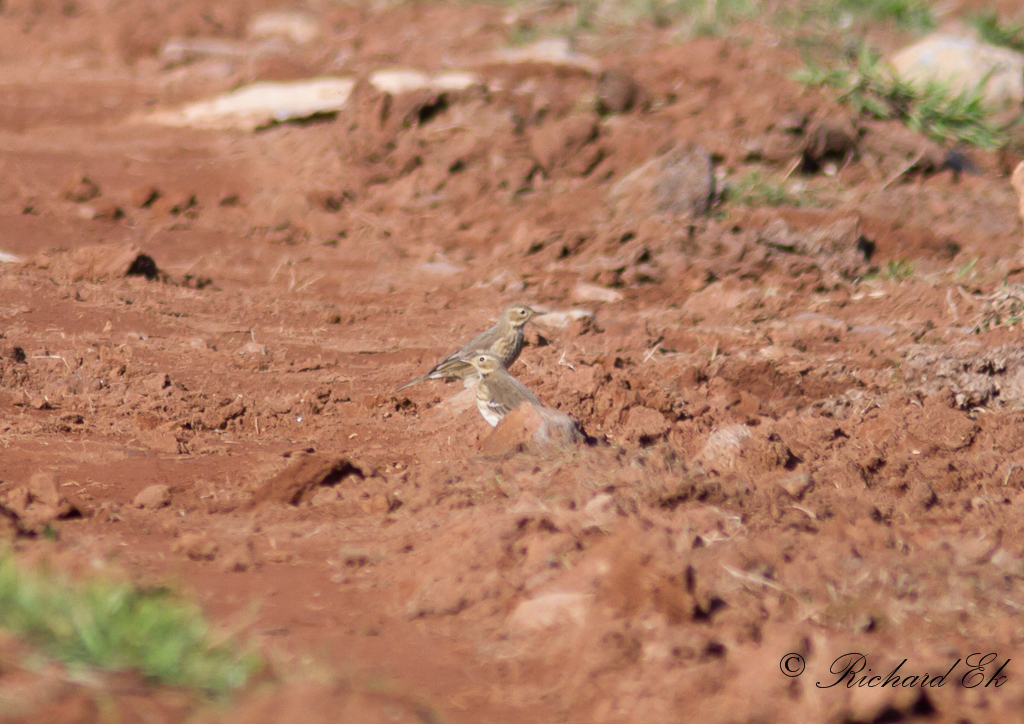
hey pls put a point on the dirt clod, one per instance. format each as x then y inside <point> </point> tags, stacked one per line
<point>302,478</point>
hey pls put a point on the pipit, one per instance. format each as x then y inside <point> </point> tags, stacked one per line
<point>504,340</point>
<point>499,392</point>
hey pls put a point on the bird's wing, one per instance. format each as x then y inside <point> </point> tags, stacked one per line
<point>451,368</point>
<point>480,343</point>
<point>508,397</point>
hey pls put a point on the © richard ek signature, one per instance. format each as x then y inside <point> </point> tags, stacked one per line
<point>852,670</point>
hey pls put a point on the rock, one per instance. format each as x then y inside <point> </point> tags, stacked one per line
<point>1017,181</point>
<point>892,148</point>
<point>157,384</point>
<point>197,546</point>
<point>40,502</point>
<point>795,484</point>
<point>396,82</point>
<point>564,143</point>
<point>839,248</point>
<point>830,139</point>
<point>153,497</point>
<point>218,418</point>
<point>239,559</point>
<point>531,427</point>
<point>6,258</point>
<point>442,267</point>
<point>177,51</point>
<point>559,320</point>
<point>679,183</point>
<point>644,425</point>
<point>600,513</point>
<point>302,478</point>
<point>99,263</point>
<point>252,348</point>
<point>10,524</point>
<point>83,189</point>
<point>963,64</point>
<point>161,441</point>
<point>617,92</point>
<point>594,293</point>
<point>549,51</point>
<point>298,27</point>
<point>261,104</point>
<point>723,449</point>
<point>45,488</point>
<point>548,611</point>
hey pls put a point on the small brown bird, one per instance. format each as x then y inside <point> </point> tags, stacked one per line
<point>504,340</point>
<point>499,392</point>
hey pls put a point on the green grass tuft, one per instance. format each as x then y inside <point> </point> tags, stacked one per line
<point>909,13</point>
<point>754,189</point>
<point>1003,308</point>
<point>874,90</point>
<point>119,627</point>
<point>994,32</point>
<point>898,270</point>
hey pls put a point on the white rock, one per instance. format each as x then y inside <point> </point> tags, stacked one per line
<point>178,50</point>
<point>964,63</point>
<point>551,51</point>
<point>254,348</point>
<point>300,28</point>
<point>260,104</point>
<point>594,293</point>
<point>6,258</point>
<point>724,447</point>
<point>557,320</point>
<point>445,268</point>
<point>399,81</point>
<point>549,610</point>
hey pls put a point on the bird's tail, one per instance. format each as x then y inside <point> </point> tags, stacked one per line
<point>422,378</point>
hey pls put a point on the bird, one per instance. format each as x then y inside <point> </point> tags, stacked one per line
<point>499,392</point>
<point>504,340</point>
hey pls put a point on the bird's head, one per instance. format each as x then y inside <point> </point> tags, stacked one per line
<point>517,315</point>
<point>484,362</point>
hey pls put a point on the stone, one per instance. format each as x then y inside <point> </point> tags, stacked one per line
<point>99,262</point>
<point>795,484</point>
<point>644,425</point>
<point>298,27</point>
<point>560,320</point>
<point>565,143</point>
<point>531,427</point>
<point>157,384</point>
<point>549,611</point>
<point>6,258</point>
<point>177,51</point>
<point>963,64</point>
<point>724,448</point>
<point>261,104</point>
<point>153,497</point>
<point>680,183</point>
<point>594,293</point>
<point>45,488</point>
<point>549,51</point>
<point>197,546</point>
<point>617,92</point>
<point>303,477</point>
<point>400,81</point>
<point>40,502</point>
